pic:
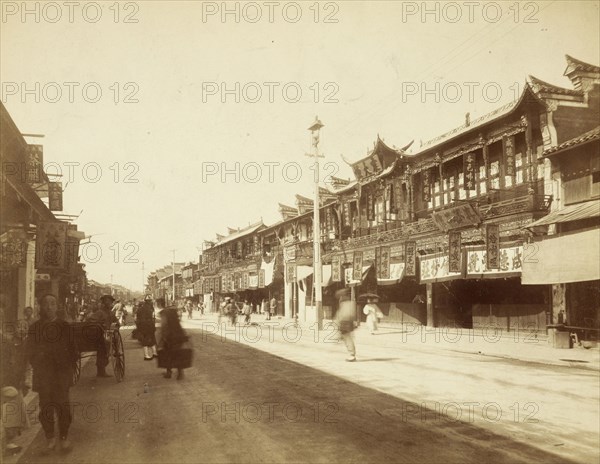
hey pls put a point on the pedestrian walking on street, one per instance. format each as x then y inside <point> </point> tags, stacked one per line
<point>201,308</point>
<point>247,310</point>
<point>52,358</point>
<point>373,313</point>
<point>232,311</point>
<point>272,308</point>
<point>344,318</point>
<point>147,329</point>
<point>189,308</point>
<point>173,353</point>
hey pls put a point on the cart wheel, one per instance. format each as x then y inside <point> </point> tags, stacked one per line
<point>76,372</point>
<point>118,356</point>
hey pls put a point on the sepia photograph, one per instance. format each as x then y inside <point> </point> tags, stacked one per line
<point>297,232</point>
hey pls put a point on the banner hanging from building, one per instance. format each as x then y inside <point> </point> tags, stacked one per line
<point>55,196</point>
<point>357,264</point>
<point>510,262</point>
<point>383,262</point>
<point>436,268</point>
<point>410,258</point>
<point>492,245</point>
<point>50,245</point>
<point>469,171</point>
<point>454,251</point>
<point>261,278</point>
<point>461,215</point>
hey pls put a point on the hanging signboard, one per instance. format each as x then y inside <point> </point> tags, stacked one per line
<point>510,262</point>
<point>50,244</point>
<point>336,269</point>
<point>357,265</point>
<point>461,215</point>
<point>383,263</point>
<point>261,278</point>
<point>469,171</point>
<point>492,244</point>
<point>34,164</point>
<point>55,196</point>
<point>253,281</point>
<point>427,185</point>
<point>436,268</point>
<point>410,258</point>
<point>508,143</point>
<point>454,251</point>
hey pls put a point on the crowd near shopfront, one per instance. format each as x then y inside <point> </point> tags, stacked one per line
<point>493,224</point>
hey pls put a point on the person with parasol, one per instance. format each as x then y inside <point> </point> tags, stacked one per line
<point>372,311</point>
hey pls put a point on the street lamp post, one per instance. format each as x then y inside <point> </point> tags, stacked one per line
<point>173,268</point>
<point>315,130</point>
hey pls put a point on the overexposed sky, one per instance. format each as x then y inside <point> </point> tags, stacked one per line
<point>165,116</point>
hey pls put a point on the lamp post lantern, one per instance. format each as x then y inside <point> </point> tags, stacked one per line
<point>315,133</point>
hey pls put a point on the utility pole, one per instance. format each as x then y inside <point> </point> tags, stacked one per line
<point>143,280</point>
<point>111,285</point>
<point>315,130</point>
<point>173,267</point>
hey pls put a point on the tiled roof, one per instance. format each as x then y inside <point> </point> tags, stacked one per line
<point>242,233</point>
<point>589,136</point>
<point>573,64</point>
<point>540,86</point>
<point>485,119</point>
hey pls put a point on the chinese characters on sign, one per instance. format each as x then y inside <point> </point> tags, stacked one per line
<point>454,247</point>
<point>427,185</point>
<point>370,207</point>
<point>35,160</point>
<point>50,245</point>
<point>511,261</point>
<point>291,273</point>
<point>410,257</point>
<point>492,244</point>
<point>509,155</point>
<point>383,263</point>
<point>436,268</point>
<point>469,171</point>
<point>261,278</point>
<point>55,196</point>
<point>336,269</point>
<point>357,265</point>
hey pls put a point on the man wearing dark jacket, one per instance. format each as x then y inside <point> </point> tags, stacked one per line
<point>52,353</point>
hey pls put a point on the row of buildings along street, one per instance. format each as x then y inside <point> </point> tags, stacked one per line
<point>493,224</point>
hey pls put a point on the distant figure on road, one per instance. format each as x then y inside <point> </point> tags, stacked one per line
<point>247,310</point>
<point>189,308</point>
<point>52,359</point>
<point>201,307</point>
<point>232,310</point>
<point>272,308</point>
<point>344,318</point>
<point>172,337</point>
<point>147,329</point>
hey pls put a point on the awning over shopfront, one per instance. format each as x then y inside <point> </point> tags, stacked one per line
<point>577,212</point>
<point>396,274</point>
<point>303,272</point>
<point>573,257</point>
